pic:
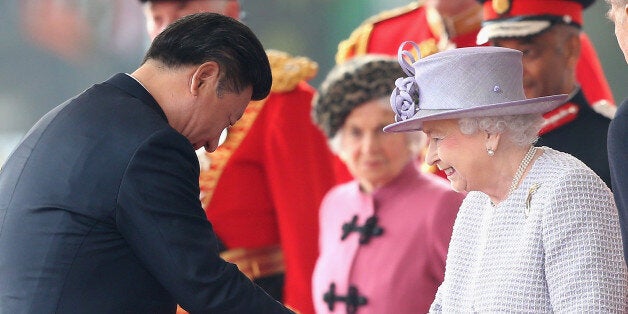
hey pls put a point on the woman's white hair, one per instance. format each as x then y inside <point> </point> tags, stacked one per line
<point>522,130</point>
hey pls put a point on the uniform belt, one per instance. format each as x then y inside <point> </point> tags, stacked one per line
<point>258,262</point>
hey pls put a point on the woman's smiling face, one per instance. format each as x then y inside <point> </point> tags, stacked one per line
<point>373,156</point>
<point>462,157</point>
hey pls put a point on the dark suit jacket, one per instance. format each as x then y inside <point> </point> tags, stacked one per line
<point>99,213</point>
<point>618,160</point>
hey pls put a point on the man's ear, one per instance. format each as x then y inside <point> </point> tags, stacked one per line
<point>573,47</point>
<point>206,74</point>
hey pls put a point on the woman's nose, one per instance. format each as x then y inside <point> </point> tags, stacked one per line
<point>431,157</point>
<point>371,142</point>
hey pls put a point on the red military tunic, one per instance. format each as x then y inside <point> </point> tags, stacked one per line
<point>383,33</point>
<point>263,186</point>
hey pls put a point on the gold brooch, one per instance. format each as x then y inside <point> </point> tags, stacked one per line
<point>501,6</point>
<point>531,192</point>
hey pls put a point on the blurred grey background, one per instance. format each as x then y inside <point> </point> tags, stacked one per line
<point>52,50</point>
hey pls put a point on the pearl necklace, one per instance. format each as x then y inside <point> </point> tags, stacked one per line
<point>522,168</point>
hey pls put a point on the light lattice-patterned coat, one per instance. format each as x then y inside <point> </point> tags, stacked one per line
<point>554,245</point>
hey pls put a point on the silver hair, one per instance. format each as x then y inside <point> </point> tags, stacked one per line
<point>618,3</point>
<point>522,130</point>
<point>615,5</point>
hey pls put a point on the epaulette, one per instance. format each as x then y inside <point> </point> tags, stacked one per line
<point>288,71</point>
<point>357,42</point>
<point>605,108</point>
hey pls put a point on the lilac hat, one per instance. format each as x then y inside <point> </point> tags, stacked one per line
<point>462,83</point>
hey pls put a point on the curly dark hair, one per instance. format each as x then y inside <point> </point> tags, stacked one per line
<point>351,84</point>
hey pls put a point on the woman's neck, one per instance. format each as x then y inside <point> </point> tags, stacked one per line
<point>510,169</point>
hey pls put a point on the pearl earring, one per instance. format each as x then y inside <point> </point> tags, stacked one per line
<point>490,152</point>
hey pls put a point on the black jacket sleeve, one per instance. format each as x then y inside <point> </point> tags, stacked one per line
<point>160,215</point>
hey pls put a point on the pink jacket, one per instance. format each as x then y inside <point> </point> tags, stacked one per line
<point>398,271</point>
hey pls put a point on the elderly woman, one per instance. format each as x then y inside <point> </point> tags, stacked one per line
<point>383,236</point>
<point>538,230</point>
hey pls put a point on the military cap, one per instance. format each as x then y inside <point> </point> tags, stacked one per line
<point>523,18</point>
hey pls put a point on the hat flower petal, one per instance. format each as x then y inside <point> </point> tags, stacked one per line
<point>405,98</point>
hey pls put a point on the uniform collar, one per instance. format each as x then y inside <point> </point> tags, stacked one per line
<point>566,112</point>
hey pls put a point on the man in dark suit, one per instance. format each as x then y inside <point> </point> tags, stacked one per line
<point>99,207</point>
<point>618,129</point>
<point>278,163</point>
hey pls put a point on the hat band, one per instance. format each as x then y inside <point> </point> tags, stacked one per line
<point>519,27</point>
<point>537,7</point>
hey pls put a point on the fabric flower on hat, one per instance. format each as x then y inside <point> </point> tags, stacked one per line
<point>405,98</point>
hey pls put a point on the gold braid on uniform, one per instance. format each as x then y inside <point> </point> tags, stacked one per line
<point>288,71</point>
<point>215,162</point>
<point>357,43</point>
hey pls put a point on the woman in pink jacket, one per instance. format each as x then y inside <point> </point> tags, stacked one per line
<point>383,236</point>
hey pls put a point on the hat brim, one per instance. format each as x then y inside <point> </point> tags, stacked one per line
<point>538,105</point>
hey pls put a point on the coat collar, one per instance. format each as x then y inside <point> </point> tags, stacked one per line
<point>406,177</point>
<point>131,86</point>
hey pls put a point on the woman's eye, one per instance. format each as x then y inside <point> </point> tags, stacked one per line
<point>355,133</point>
